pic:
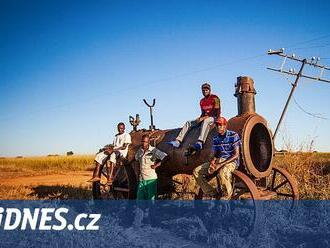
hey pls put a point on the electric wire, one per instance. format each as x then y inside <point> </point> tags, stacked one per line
<point>302,48</point>
<point>315,115</point>
<point>153,82</point>
<point>308,41</point>
<point>180,75</point>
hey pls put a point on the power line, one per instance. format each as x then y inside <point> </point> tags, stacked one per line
<point>303,61</point>
<point>308,41</point>
<point>313,62</point>
<point>179,75</point>
<point>309,113</point>
<point>315,115</point>
<point>302,48</point>
<point>153,82</point>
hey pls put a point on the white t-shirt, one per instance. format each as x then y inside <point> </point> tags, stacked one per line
<point>120,140</point>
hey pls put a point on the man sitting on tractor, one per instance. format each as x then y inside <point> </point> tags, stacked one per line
<point>226,145</point>
<point>118,150</point>
<point>149,158</point>
<point>211,110</point>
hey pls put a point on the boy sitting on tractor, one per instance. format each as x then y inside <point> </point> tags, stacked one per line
<point>117,150</point>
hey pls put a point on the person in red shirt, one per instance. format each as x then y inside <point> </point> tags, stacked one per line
<point>211,110</point>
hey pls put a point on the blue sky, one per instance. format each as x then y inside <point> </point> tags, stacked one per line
<point>71,70</point>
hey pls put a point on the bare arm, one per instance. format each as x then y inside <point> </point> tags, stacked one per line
<point>215,165</point>
<point>230,159</point>
<point>212,157</point>
<point>158,162</point>
<point>123,147</point>
<point>217,107</point>
<point>218,112</point>
<point>160,157</point>
<point>212,160</point>
<point>201,118</point>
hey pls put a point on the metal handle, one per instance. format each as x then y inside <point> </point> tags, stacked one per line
<point>151,127</point>
<point>153,103</point>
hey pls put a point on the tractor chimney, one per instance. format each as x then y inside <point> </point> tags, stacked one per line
<point>245,95</point>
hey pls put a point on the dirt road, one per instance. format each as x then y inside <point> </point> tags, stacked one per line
<point>68,185</point>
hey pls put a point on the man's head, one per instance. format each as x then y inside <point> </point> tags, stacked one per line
<point>221,124</point>
<point>145,142</point>
<point>121,127</point>
<point>206,89</point>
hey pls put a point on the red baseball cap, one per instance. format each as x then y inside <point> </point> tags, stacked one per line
<point>221,120</point>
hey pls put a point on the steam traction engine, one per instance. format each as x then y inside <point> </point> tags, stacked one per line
<point>256,178</point>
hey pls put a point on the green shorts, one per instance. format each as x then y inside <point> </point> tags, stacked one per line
<point>147,190</point>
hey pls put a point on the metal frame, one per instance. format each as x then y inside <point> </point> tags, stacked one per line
<point>298,75</point>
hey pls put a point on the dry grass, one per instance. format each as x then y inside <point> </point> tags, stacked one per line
<point>43,192</point>
<point>34,166</point>
<point>312,171</point>
<point>13,167</point>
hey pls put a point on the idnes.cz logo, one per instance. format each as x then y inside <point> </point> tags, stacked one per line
<point>46,219</point>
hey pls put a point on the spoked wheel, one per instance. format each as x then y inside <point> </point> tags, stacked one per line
<point>245,210</point>
<point>243,214</point>
<point>243,188</point>
<point>282,184</point>
<point>123,187</point>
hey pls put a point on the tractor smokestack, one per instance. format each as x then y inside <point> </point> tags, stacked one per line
<point>245,95</point>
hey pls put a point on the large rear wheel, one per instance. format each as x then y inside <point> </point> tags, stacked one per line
<point>243,188</point>
<point>282,184</point>
<point>243,210</point>
<point>123,187</point>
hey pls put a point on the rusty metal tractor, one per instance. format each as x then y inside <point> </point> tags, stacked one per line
<point>256,178</point>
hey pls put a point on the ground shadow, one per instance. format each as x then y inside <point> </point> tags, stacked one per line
<point>322,168</point>
<point>60,192</point>
<point>326,169</point>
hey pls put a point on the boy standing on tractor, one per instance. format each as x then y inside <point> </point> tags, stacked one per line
<point>211,110</point>
<point>119,149</point>
<point>149,158</point>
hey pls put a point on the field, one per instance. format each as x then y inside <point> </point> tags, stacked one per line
<point>312,172</point>
<point>58,177</point>
<point>64,177</point>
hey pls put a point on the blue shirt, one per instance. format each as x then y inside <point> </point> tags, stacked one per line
<point>224,145</point>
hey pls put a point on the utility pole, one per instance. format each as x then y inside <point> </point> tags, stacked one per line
<point>313,62</point>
